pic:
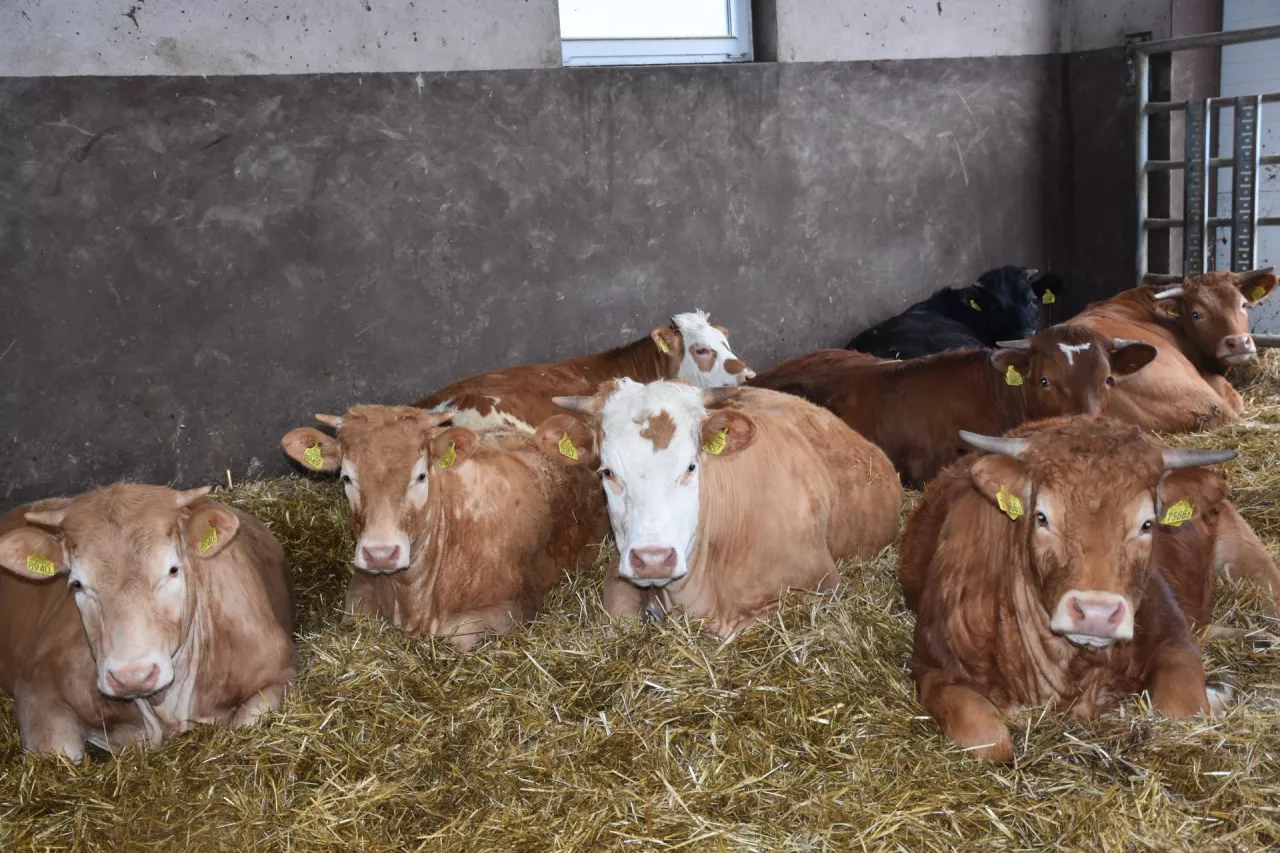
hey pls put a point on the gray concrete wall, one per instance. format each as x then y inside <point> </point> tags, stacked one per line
<point>190,266</point>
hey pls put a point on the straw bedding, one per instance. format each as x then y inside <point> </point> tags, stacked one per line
<point>800,734</point>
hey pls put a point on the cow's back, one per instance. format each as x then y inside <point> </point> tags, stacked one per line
<point>515,398</point>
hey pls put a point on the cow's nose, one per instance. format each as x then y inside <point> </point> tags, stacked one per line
<point>381,557</point>
<point>1096,614</point>
<point>134,678</point>
<point>653,562</point>
<point>1239,345</point>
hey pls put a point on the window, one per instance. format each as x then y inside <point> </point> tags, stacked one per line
<point>649,32</point>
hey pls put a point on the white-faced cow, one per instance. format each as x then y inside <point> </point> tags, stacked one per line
<point>131,612</point>
<point>719,507</point>
<point>457,533</point>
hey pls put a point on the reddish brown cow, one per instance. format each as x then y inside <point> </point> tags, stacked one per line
<point>1201,330</point>
<point>457,532</point>
<point>690,349</point>
<point>131,612</point>
<point>1034,579</point>
<point>914,409</point>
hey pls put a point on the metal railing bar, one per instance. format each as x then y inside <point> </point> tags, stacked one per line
<point>1156,107</point>
<point>1161,278</point>
<point>1212,222</point>
<point>1214,163</point>
<point>1226,37</point>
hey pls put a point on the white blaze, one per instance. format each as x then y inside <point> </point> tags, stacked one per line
<point>1070,350</point>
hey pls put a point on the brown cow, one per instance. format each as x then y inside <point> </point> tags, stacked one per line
<point>690,349</point>
<point>719,511</point>
<point>1034,580</point>
<point>457,532</point>
<point>174,610</point>
<point>914,409</point>
<point>1201,330</point>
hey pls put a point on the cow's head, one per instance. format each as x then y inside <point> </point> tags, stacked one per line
<point>1068,370</point>
<point>699,352</point>
<point>1210,312</point>
<point>654,440</point>
<point>391,460</point>
<point>1084,496</point>
<point>127,552</point>
<point>1002,304</point>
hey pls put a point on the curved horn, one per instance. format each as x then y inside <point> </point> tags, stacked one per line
<point>1182,457</point>
<point>329,420</point>
<point>1032,272</point>
<point>582,404</point>
<point>47,518</point>
<point>1012,447</point>
<point>1170,293</point>
<point>1266,341</point>
<point>190,496</point>
<point>1116,343</point>
<point>714,396</point>
<point>1250,275</point>
<point>1021,343</point>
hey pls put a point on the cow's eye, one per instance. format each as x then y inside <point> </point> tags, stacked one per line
<point>1111,380</point>
<point>346,478</point>
<point>173,571</point>
<point>606,474</point>
<point>1196,315</point>
<point>1146,525</point>
<point>422,476</point>
<point>1044,381</point>
<point>693,466</point>
<point>77,586</point>
<point>1042,519</point>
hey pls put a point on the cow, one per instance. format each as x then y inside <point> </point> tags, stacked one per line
<point>520,397</point>
<point>457,533</point>
<point>1035,577</point>
<point>914,409</point>
<point>721,500</point>
<point>1201,329</point>
<point>1003,304</point>
<point>131,612</point>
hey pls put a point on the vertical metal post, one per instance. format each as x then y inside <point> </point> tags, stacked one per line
<point>1195,182</point>
<point>1142,75</point>
<point>1244,201</point>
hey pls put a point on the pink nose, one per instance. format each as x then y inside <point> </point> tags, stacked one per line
<point>1238,345</point>
<point>653,562</point>
<point>133,679</point>
<point>1097,615</point>
<point>381,557</point>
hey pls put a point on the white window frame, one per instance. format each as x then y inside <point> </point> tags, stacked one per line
<point>735,47</point>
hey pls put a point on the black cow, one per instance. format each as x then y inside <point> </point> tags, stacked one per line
<point>1002,305</point>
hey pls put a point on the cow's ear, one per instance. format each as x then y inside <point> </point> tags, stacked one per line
<point>668,341</point>
<point>1187,492</point>
<point>31,553</point>
<point>452,447</point>
<point>312,449</point>
<point>1258,288</point>
<point>721,329</point>
<point>1003,481</point>
<point>1048,288</point>
<point>1167,309</point>
<point>1130,357</point>
<point>725,432</point>
<point>1013,364</point>
<point>209,528</point>
<point>567,440</point>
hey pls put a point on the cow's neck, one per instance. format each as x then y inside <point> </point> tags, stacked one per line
<point>172,711</point>
<point>1041,649</point>
<point>640,360</point>
<point>1008,407</point>
<point>418,600</point>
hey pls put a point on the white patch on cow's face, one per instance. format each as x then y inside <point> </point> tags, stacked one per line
<point>383,545</point>
<point>652,492</point>
<point>476,422</point>
<point>1070,350</point>
<point>708,362</point>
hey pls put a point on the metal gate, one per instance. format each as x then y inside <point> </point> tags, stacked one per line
<point>1200,220</point>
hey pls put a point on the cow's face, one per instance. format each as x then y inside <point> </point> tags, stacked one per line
<point>126,552</point>
<point>386,457</point>
<point>703,349</point>
<point>1069,370</point>
<point>1010,306</point>
<point>654,440</point>
<point>1210,312</point>
<point>1084,496</point>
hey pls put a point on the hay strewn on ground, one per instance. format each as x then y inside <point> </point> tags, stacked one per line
<point>802,734</point>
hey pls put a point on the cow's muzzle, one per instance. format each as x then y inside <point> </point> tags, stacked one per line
<point>1093,618</point>
<point>135,679</point>
<point>1237,349</point>
<point>652,566</point>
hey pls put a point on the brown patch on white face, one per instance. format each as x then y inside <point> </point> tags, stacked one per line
<point>703,356</point>
<point>659,430</point>
<point>734,366</point>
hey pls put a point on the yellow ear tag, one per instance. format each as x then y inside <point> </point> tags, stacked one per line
<point>208,540</point>
<point>1048,298</point>
<point>314,456</point>
<point>1012,376</point>
<point>567,448</point>
<point>662,345</point>
<point>38,565</point>
<point>716,445</point>
<point>973,303</point>
<point>1258,293</point>
<point>1175,515</point>
<point>450,457</point>
<point>1009,504</point>
<point>1174,312</point>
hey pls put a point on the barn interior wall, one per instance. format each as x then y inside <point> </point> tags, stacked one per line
<point>190,265</point>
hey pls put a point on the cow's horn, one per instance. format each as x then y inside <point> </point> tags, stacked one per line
<point>1117,343</point>
<point>1170,293</point>
<point>1266,341</point>
<point>1182,457</point>
<point>190,496</point>
<point>585,405</point>
<point>1013,447</point>
<point>1021,343</point>
<point>1250,275</point>
<point>1032,272</point>
<point>714,396</point>
<point>334,421</point>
